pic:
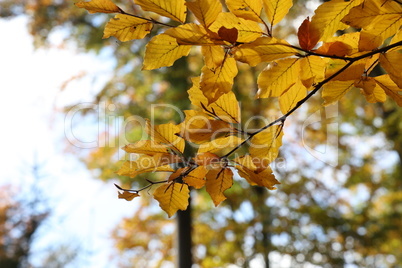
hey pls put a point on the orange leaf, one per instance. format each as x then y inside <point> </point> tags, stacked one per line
<point>101,6</point>
<point>308,36</point>
<point>127,195</point>
<point>218,181</point>
<point>206,159</point>
<point>196,178</point>
<point>229,35</point>
<point>334,49</point>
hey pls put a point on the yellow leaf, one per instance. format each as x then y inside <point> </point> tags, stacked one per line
<point>328,16</point>
<point>173,9</point>
<point>146,147</point>
<point>246,9</point>
<point>126,28</point>
<point>392,63</point>
<point>163,50</point>
<point>390,88</point>
<point>172,197</point>
<point>219,144</point>
<point>206,11</point>
<point>218,181</point>
<point>333,91</point>
<point>312,70</point>
<point>213,56</point>
<point>101,6</point>
<point>226,107</point>
<point>196,178</point>
<point>166,134</point>
<point>263,178</point>
<point>353,72</point>
<point>264,146</point>
<point>248,30</point>
<point>207,159</point>
<point>292,96</point>
<point>215,83</point>
<point>278,77</point>
<point>198,127</point>
<point>276,10</point>
<point>145,164</point>
<point>369,88</point>
<point>190,34</point>
<point>264,49</point>
<point>127,195</point>
<point>397,38</point>
<point>379,19</point>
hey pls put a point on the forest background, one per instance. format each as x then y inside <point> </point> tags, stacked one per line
<point>340,209</point>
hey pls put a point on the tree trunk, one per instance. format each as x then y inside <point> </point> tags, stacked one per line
<point>184,254</point>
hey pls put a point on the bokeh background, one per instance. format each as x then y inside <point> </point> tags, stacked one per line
<point>339,204</point>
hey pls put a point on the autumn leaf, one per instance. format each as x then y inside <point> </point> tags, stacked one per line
<point>308,36</point>
<point>146,163</point>
<point>228,35</point>
<point>206,11</point>
<point>172,197</point>
<point>127,195</point>
<point>333,91</point>
<point>328,17</point>
<point>392,63</point>
<point>248,30</point>
<point>163,50</point>
<point>198,127</point>
<point>217,182</point>
<point>207,159</point>
<point>173,9</point>
<point>371,90</point>
<point>190,34</point>
<point>278,77</point>
<point>264,146</point>
<point>213,56</point>
<point>390,88</point>
<point>220,144</point>
<point>312,70</point>
<point>146,147</point>
<point>126,28</point>
<point>226,107</point>
<point>166,134</point>
<point>196,178</point>
<point>336,48</point>
<point>264,49</point>
<point>246,9</point>
<point>292,96</point>
<point>215,83</point>
<point>99,6</point>
<point>276,10</point>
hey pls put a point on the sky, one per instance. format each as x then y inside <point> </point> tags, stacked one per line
<point>85,210</point>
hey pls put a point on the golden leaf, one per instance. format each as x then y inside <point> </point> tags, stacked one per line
<point>99,6</point>
<point>369,88</point>
<point>312,70</point>
<point>196,178</point>
<point>218,181</point>
<point>126,28</point>
<point>248,30</point>
<point>173,9</point>
<point>246,9</point>
<point>336,48</point>
<point>206,11</point>
<point>263,178</point>
<point>145,164</point>
<point>264,146</point>
<point>213,56</point>
<point>378,19</point>
<point>390,88</point>
<point>207,159</point>
<point>264,49</point>
<point>166,134</point>
<point>172,197</point>
<point>276,10</point>
<point>226,107</point>
<point>190,34</point>
<point>278,77</point>
<point>392,63</point>
<point>198,127</point>
<point>333,91</point>
<point>328,16</point>
<point>127,195</point>
<point>215,83</point>
<point>292,96</point>
<point>146,147</point>
<point>353,72</point>
<point>163,50</point>
<point>219,144</point>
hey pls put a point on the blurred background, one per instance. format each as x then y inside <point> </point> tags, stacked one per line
<point>70,101</point>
